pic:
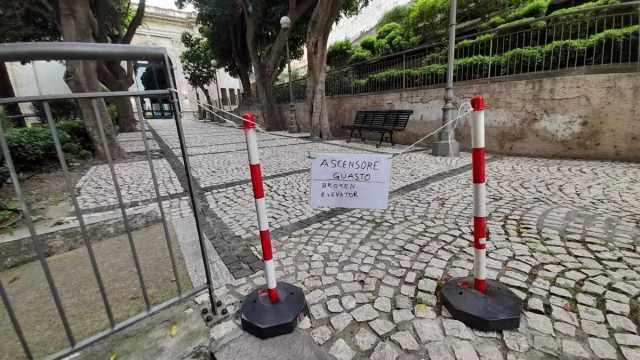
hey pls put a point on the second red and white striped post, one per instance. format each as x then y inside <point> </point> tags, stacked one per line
<point>481,303</point>
<point>249,125</point>
<point>479,194</point>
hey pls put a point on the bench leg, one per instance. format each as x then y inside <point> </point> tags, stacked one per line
<point>362,136</point>
<point>381,139</point>
<point>391,138</point>
<point>350,135</point>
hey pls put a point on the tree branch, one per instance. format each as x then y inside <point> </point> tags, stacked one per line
<point>296,10</point>
<point>135,23</point>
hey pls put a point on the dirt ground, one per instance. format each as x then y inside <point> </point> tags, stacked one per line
<point>46,194</point>
<point>31,298</point>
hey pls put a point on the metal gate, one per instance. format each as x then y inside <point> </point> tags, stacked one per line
<point>24,52</point>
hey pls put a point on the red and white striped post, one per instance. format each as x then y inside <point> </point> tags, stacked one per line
<point>479,195</point>
<point>486,305</point>
<point>249,125</point>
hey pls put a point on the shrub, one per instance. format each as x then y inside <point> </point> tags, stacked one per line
<point>535,8</point>
<point>34,146</point>
<point>585,6</point>
<point>428,19</point>
<point>6,124</point>
<point>339,53</point>
<point>78,133</point>
<point>391,38</point>
<point>360,55</point>
<point>369,43</point>
<point>477,40</point>
<point>398,14</point>
<point>30,147</point>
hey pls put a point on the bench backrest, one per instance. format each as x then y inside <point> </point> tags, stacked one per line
<point>398,119</point>
<point>388,119</point>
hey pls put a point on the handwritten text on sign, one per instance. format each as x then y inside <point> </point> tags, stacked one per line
<point>350,181</point>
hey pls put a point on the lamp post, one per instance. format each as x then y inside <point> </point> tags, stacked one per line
<point>214,63</point>
<point>446,144</point>
<point>285,23</point>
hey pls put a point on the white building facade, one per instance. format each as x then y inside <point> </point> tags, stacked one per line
<point>160,27</point>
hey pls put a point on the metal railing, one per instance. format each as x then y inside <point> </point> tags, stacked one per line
<point>83,51</point>
<point>595,37</point>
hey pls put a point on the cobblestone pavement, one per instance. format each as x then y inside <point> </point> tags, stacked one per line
<point>564,236</point>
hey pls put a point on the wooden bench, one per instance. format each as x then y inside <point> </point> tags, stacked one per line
<point>383,122</point>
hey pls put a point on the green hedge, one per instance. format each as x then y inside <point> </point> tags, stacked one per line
<point>585,6</point>
<point>32,147</point>
<point>513,61</point>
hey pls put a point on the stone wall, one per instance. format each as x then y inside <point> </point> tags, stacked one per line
<point>591,116</point>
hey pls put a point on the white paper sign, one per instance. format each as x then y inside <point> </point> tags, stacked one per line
<point>356,181</point>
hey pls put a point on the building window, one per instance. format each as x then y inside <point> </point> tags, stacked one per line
<point>225,97</point>
<point>232,96</point>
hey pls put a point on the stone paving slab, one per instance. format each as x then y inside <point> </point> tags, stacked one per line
<point>397,256</point>
<point>95,189</point>
<point>564,236</point>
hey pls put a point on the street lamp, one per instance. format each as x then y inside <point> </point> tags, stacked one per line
<point>447,144</point>
<point>214,63</point>
<point>285,23</point>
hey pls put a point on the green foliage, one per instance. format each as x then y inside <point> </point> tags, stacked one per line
<point>32,147</point>
<point>398,14</point>
<point>77,132</point>
<point>6,124</point>
<point>388,29</point>
<point>531,8</point>
<point>428,19</point>
<point>369,43</point>
<point>517,23</point>
<point>26,20</point>
<point>585,6</point>
<point>29,147</point>
<point>477,40</point>
<point>360,55</point>
<point>510,61</point>
<point>196,60</point>
<point>391,38</point>
<point>339,53</point>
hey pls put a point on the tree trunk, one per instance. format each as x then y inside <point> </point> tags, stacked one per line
<point>323,17</point>
<point>199,108</point>
<point>266,64</point>
<point>273,119</point>
<point>207,110</point>
<point>115,78</point>
<point>247,94</point>
<point>126,117</point>
<point>6,91</point>
<point>78,24</point>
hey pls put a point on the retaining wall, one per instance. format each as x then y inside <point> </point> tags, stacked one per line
<point>590,116</point>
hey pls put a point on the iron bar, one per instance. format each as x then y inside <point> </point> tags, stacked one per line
<point>604,42</point>
<point>193,196</point>
<point>15,322</point>
<point>78,211</point>
<point>125,324</point>
<point>123,211</point>
<point>156,188</point>
<point>87,95</point>
<point>37,243</point>
<point>575,62</point>
<point>30,51</point>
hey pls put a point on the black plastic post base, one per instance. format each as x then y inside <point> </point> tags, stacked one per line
<point>497,309</point>
<point>263,319</point>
